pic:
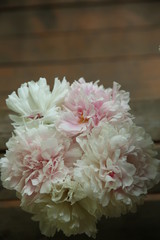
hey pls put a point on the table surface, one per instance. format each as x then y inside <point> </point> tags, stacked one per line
<point>107,40</point>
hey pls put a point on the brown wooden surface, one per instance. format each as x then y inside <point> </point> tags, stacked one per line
<point>25,3</point>
<point>110,40</point>
<point>107,17</point>
<point>10,3</point>
<point>63,47</point>
<point>139,76</point>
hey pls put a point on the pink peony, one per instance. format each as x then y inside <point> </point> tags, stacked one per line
<point>36,159</point>
<point>87,104</point>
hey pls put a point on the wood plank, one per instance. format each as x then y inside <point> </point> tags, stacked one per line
<point>156,188</point>
<point>26,3</point>
<point>17,225</point>
<point>72,46</point>
<point>10,203</point>
<point>139,76</point>
<point>152,197</point>
<point>53,20</point>
<point>5,129</point>
<point>147,115</point>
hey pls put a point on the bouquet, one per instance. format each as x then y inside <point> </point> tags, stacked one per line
<point>76,155</point>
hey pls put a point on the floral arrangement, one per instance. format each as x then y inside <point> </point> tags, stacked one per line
<point>76,155</point>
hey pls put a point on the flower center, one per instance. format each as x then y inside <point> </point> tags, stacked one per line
<point>111,174</point>
<point>82,119</point>
<point>37,116</point>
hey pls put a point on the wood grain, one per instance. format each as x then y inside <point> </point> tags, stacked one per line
<point>73,46</point>
<point>53,20</point>
<point>26,3</point>
<point>139,76</point>
<point>5,129</point>
<point>147,115</point>
<point>34,3</point>
<point>108,40</point>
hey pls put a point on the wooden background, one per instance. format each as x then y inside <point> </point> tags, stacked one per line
<point>98,39</point>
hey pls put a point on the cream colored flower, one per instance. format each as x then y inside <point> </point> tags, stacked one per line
<point>67,209</point>
<point>118,166</point>
<point>34,103</point>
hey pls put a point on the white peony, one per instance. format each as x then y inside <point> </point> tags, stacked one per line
<point>68,209</point>
<point>34,103</point>
<point>117,166</point>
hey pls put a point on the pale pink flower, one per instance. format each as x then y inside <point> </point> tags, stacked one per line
<point>87,104</point>
<point>118,166</point>
<point>36,159</point>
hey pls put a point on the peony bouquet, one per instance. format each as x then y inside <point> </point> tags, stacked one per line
<point>76,155</point>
